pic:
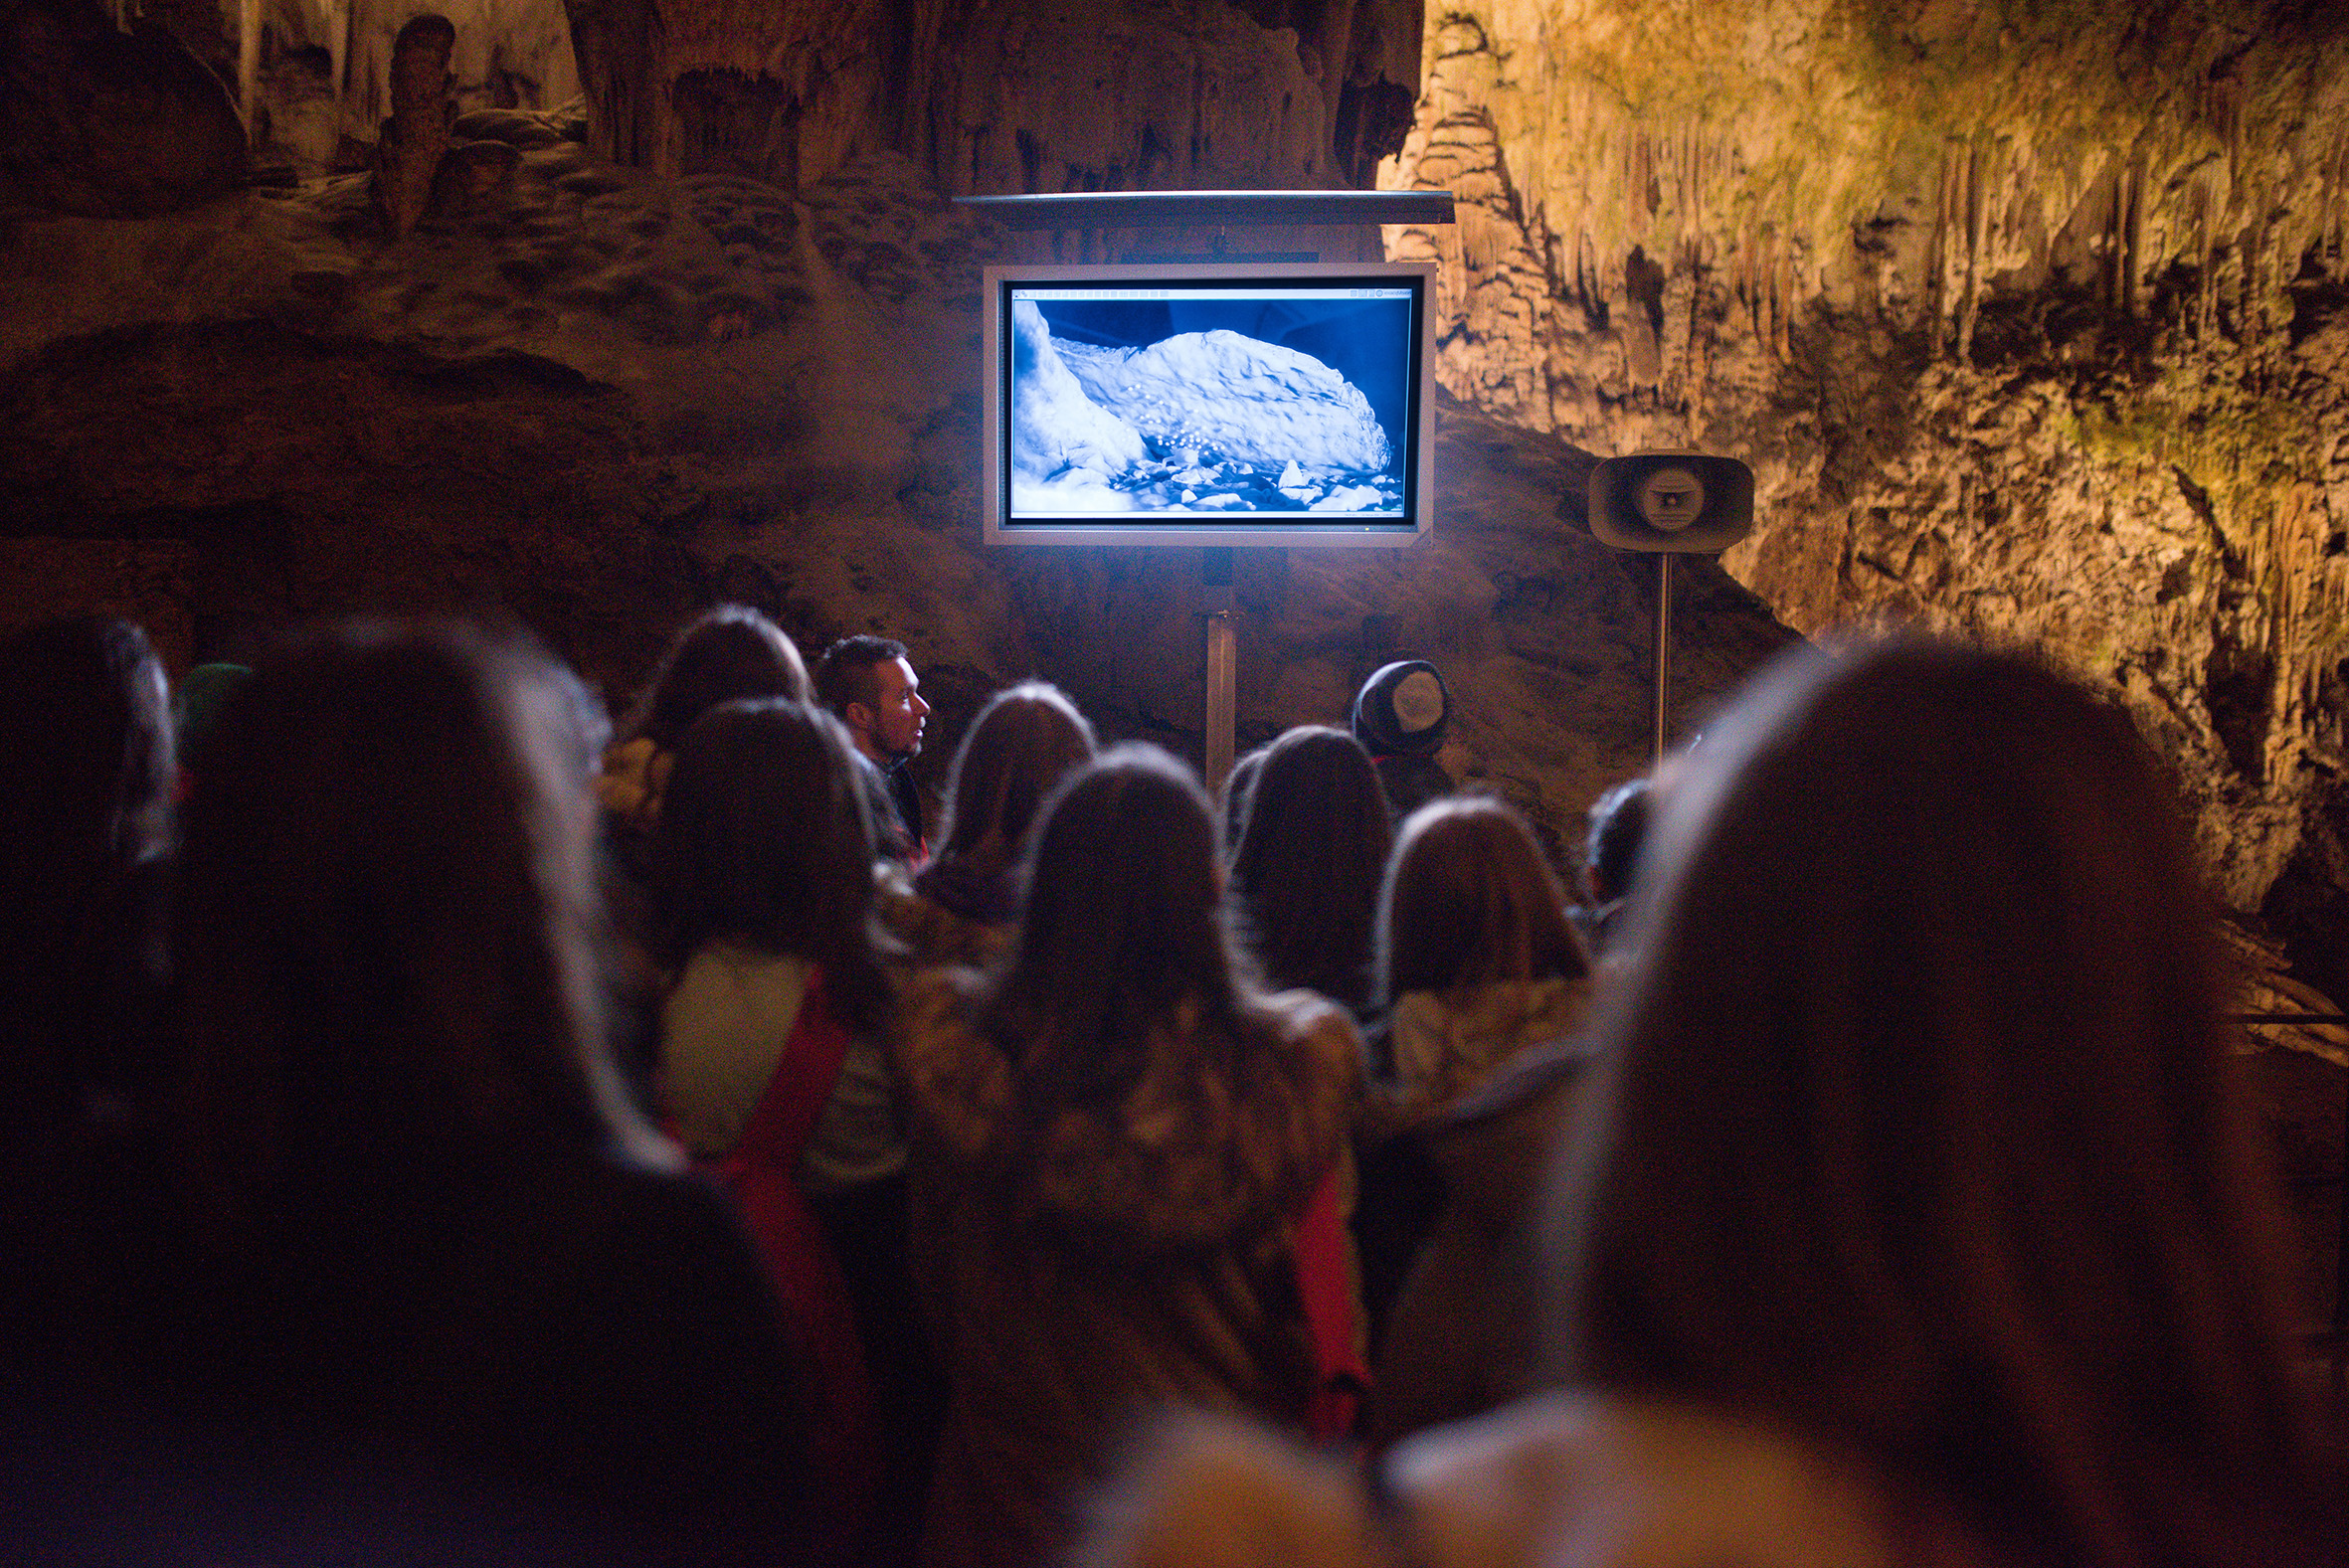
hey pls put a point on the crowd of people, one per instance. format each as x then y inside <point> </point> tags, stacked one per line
<point>448,1128</point>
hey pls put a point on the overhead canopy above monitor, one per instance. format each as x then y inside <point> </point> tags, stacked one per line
<point>1212,209</point>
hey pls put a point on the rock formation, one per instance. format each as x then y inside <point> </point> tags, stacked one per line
<point>2026,316</point>
<point>414,137</point>
<point>1056,429</point>
<point>427,161</point>
<point>998,96</point>
<point>614,397</point>
<point>341,55</point>
<point>109,123</point>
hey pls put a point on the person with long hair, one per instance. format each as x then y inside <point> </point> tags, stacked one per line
<point>1231,801</point>
<point>1311,850</point>
<point>1917,1165</point>
<point>729,653</point>
<point>1915,1212</point>
<point>1476,958</point>
<point>772,1062</point>
<point>83,853</point>
<point>1477,966</point>
<point>1129,1133</point>
<point>963,907</point>
<point>723,654</point>
<point>764,894</point>
<point>85,726</point>
<point>425,1218</point>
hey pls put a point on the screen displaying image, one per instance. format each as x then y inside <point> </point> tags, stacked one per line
<point>1197,403</point>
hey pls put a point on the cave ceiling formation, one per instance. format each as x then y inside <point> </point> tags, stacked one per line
<point>2024,314</point>
<point>1004,95</point>
<point>2027,314</point>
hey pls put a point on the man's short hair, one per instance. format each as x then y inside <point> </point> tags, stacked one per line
<point>845,672</point>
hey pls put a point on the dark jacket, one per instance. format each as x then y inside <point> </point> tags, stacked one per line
<point>1462,1336</point>
<point>1109,1264</point>
<point>905,804</point>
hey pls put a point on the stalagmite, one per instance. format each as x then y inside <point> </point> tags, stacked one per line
<point>417,134</point>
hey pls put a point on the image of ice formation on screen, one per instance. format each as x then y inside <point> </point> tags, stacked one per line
<point>1231,407</point>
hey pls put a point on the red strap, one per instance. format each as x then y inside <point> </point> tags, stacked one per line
<point>760,1172</point>
<point>784,1116</point>
<point>1326,1289</point>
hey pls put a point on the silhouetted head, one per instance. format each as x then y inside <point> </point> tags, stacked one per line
<point>1305,878</point>
<point>198,702</point>
<point>1618,827</point>
<point>765,839</point>
<point>1913,1130</point>
<point>84,798</point>
<point>1023,741</point>
<point>1470,901</point>
<point>1234,798</point>
<point>385,908</point>
<point>1123,929</point>
<point>85,724</point>
<point>723,654</point>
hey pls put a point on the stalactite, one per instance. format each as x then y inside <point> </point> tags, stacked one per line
<point>2199,203</point>
<point>1782,290</point>
<point>249,66</point>
<point>1974,205</point>
<point>2132,233</point>
<point>2250,313</point>
<point>1947,214</point>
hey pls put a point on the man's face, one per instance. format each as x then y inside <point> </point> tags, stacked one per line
<point>899,710</point>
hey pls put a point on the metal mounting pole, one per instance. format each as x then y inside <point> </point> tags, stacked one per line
<point>1222,717</point>
<point>1663,642</point>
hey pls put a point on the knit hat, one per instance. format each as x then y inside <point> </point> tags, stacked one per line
<point>1403,710</point>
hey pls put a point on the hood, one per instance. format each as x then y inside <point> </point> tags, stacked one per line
<point>1403,710</point>
<point>1443,1044</point>
<point>1219,1138</point>
<point>982,896</point>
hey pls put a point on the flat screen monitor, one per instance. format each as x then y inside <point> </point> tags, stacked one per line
<point>1206,404</point>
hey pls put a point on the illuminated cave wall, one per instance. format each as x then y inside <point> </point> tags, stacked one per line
<point>2023,314</point>
<point>612,389</point>
<point>2027,314</point>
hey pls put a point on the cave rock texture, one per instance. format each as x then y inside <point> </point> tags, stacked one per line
<point>107,120</point>
<point>2027,315</point>
<point>325,68</point>
<point>611,397</point>
<point>1004,95</point>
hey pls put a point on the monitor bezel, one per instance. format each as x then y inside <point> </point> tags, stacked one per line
<point>995,310</point>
